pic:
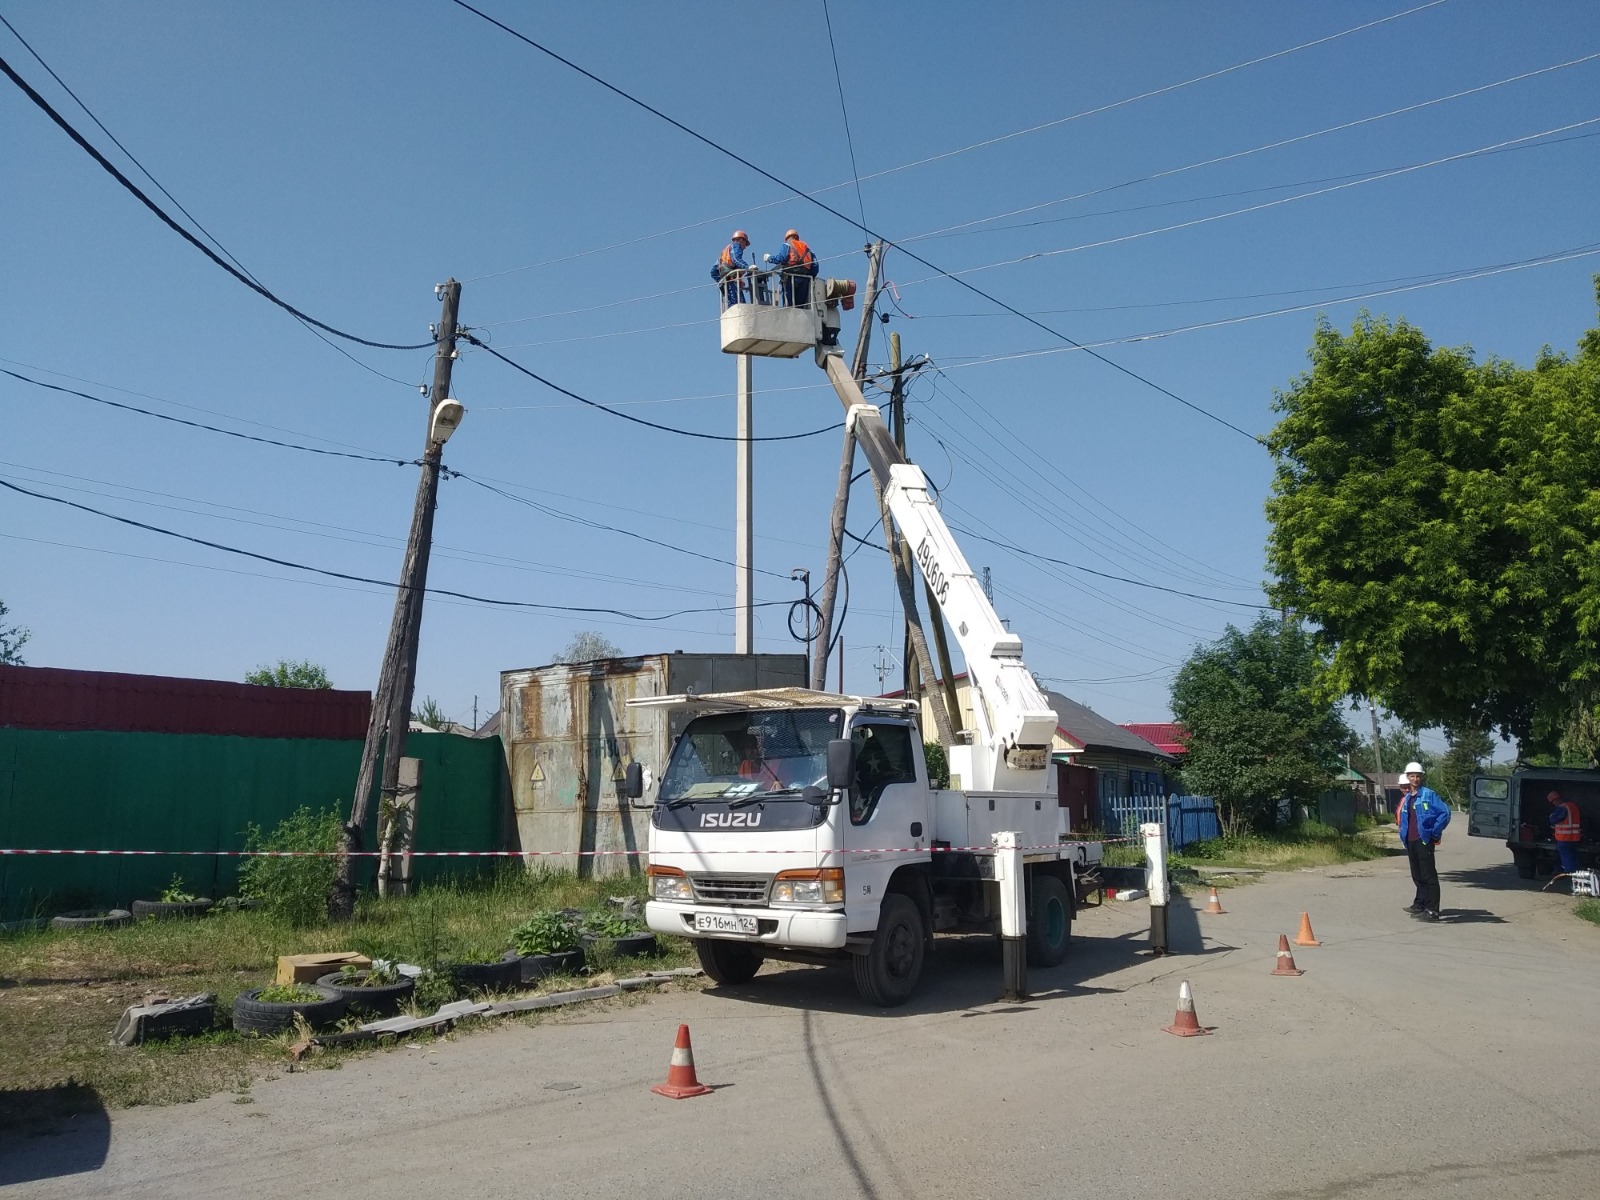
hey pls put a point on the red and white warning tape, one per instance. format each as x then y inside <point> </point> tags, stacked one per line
<point>504,853</point>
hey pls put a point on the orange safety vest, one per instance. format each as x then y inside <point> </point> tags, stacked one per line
<point>1567,829</point>
<point>727,258</point>
<point>800,254</point>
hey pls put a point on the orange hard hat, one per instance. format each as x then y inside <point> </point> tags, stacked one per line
<point>740,235</point>
<point>793,233</point>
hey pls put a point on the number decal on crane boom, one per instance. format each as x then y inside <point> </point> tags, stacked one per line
<point>932,571</point>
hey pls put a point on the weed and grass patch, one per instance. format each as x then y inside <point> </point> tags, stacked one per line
<point>1588,910</point>
<point>61,991</point>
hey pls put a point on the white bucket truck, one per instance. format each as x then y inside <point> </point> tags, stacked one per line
<point>800,825</point>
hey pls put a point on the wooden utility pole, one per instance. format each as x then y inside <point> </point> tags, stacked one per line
<point>841,499</point>
<point>391,702</point>
<point>911,676</point>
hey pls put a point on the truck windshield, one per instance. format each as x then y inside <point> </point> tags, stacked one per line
<point>733,756</point>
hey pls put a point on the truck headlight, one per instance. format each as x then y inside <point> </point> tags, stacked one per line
<point>669,883</point>
<point>823,885</point>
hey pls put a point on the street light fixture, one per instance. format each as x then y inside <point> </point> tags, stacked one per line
<point>446,418</point>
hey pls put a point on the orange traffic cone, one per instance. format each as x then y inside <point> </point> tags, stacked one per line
<point>681,1082</point>
<point>1305,937</point>
<point>1213,905</point>
<point>1185,1023</point>
<point>1285,958</point>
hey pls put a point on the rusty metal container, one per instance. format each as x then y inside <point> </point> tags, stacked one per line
<point>569,736</point>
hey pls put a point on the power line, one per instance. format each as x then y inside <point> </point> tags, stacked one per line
<point>1253,208</point>
<point>1144,583</point>
<point>248,437</point>
<point>167,220</point>
<point>145,171</point>
<point>278,522</point>
<point>849,141</point>
<point>1127,100</point>
<point>1277,145</point>
<point>585,521</point>
<point>190,407</point>
<point>1543,260</point>
<point>1117,541</point>
<point>689,433</point>
<point>432,591</point>
<point>861,225</point>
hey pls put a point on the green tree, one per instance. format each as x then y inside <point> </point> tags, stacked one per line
<point>586,646</point>
<point>12,640</point>
<point>290,674</point>
<point>1439,523</point>
<point>1401,744</point>
<point>430,714</point>
<point>1260,730</point>
<point>1469,748</point>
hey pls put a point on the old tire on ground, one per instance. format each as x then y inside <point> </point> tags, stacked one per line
<point>170,910</point>
<point>379,1000</point>
<point>491,976</point>
<point>91,918</point>
<point>534,967</point>
<point>888,972</point>
<point>265,1018</point>
<point>728,962</point>
<point>1526,862</point>
<point>628,945</point>
<point>1049,921</point>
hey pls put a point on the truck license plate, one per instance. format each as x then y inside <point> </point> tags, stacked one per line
<point>723,923</point>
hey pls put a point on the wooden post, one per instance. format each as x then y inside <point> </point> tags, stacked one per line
<point>390,721</point>
<point>841,499</point>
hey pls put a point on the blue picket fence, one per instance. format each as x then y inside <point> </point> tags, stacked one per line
<point>1186,819</point>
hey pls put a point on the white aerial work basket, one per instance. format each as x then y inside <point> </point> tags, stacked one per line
<point>760,315</point>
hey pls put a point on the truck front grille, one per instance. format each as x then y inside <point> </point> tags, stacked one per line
<point>726,889</point>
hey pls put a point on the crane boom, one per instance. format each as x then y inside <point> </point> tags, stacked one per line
<point>1009,747</point>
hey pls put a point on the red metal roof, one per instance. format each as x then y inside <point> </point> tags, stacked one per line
<point>1166,736</point>
<point>51,698</point>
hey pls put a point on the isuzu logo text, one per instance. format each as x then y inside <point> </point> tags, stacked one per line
<point>729,820</point>
<point>932,571</point>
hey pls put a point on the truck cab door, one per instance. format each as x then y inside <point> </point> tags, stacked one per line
<point>888,819</point>
<point>1489,807</point>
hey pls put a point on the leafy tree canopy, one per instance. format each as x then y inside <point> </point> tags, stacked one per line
<point>12,639</point>
<point>1439,521</point>
<point>290,674</point>
<point>586,646</point>
<point>1259,729</point>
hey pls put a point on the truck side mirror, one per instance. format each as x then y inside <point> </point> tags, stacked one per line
<point>633,781</point>
<point>841,764</point>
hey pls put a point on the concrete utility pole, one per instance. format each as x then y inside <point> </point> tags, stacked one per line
<point>841,499</point>
<point>744,571</point>
<point>391,703</point>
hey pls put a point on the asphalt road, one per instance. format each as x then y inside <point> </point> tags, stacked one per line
<point>1426,1061</point>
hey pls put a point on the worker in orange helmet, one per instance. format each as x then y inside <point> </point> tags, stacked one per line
<point>799,267</point>
<point>1568,822</point>
<point>732,270</point>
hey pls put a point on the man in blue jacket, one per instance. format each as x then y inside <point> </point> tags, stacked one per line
<point>1421,818</point>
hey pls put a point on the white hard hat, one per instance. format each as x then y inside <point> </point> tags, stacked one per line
<point>1414,767</point>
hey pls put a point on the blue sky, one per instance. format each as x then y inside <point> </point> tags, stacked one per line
<point>1114,170</point>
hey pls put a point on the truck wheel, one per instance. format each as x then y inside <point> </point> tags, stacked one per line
<point>728,962</point>
<point>1526,862</point>
<point>888,972</point>
<point>1049,922</point>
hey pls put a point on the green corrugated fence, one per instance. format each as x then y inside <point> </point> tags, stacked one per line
<point>153,791</point>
